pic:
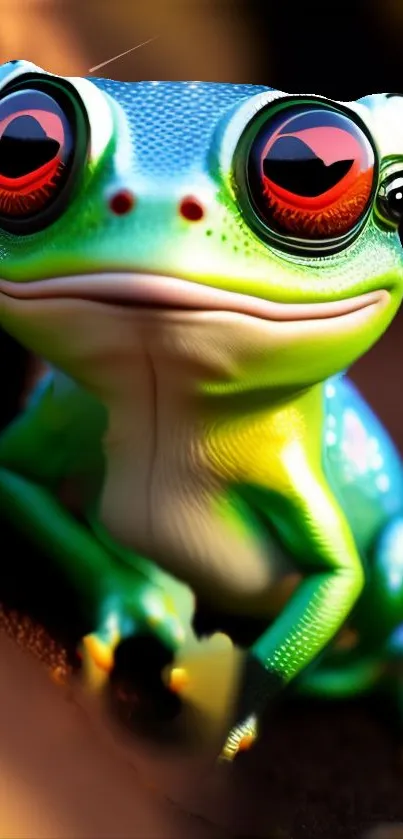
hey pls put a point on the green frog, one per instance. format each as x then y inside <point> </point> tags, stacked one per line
<point>199,264</point>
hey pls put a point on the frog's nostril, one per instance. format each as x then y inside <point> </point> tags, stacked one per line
<point>122,202</point>
<point>191,208</point>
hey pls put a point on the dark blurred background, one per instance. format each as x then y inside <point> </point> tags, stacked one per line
<point>324,771</point>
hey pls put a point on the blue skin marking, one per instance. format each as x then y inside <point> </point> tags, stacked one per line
<point>161,147</point>
<point>370,494</point>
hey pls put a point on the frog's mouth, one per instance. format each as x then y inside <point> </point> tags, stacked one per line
<point>170,293</point>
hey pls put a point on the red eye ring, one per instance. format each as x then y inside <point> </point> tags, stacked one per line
<point>310,174</point>
<point>20,194</point>
<point>44,134</point>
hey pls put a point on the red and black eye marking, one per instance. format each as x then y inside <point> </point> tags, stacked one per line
<point>310,172</point>
<point>35,147</point>
<point>39,146</point>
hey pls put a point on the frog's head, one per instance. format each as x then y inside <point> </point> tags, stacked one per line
<point>245,236</point>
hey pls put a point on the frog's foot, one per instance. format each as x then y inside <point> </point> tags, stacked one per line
<point>151,611</point>
<point>205,676</point>
<point>240,739</point>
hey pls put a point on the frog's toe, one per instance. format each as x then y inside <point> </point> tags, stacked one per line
<point>151,613</point>
<point>97,653</point>
<point>133,611</point>
<point>240,739</point>
<point>97,649</point>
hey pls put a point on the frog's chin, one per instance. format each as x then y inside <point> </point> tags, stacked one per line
<point>161,293</point>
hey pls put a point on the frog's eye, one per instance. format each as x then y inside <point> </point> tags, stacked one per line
<point>390,199</point>
<point>310,173</point>
<point>37,150</point>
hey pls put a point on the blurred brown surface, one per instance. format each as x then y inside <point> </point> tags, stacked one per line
<point>196,39</point>
<point>319,771</point>
<point>58,780</point>
<point>386,831</point>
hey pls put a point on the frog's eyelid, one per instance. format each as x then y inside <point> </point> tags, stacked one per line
<point>383,114</point>
<point>99,115</point>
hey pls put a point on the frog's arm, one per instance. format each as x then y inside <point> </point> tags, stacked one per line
<point>313,527</point>
<point>36,452</point>
<point>58,421</point>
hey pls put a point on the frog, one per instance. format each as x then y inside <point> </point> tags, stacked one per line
<point>198,265</point>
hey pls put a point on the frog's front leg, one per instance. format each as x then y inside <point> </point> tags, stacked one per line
<point>117,600</point>
<point>311,524</point>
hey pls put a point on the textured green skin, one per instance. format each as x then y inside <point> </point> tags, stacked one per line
<point>338,517</point>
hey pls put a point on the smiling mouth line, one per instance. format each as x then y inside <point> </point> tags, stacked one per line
<point>163,292</point>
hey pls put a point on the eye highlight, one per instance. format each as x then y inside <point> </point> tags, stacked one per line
<point>38,151</point>
<point>310,173</point>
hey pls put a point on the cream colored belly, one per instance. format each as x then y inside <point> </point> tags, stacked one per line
<point>163,501</point>
<point>161,496</point>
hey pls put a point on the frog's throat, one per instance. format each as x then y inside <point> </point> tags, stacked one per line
<point>164,292</point>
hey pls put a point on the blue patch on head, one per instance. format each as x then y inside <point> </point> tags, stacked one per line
<point>172,123</point>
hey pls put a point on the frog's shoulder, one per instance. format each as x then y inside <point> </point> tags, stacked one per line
<point>55,387</point>
<point>343,399</point>
<point>350,420</point>
<point>62,404</point>
<point>360,456</point>
<point>42,386</point>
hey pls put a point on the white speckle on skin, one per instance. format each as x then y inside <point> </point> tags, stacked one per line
<point>383,482</point>
<point>331,438</point>
<point>355,443</point>
<point>377,462</point>
<point>330,391</point>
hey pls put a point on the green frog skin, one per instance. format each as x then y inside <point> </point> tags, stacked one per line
<point>199,264</point>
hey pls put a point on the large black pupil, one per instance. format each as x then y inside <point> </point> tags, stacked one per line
<point>25,147</point>
<point>291,164</point>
